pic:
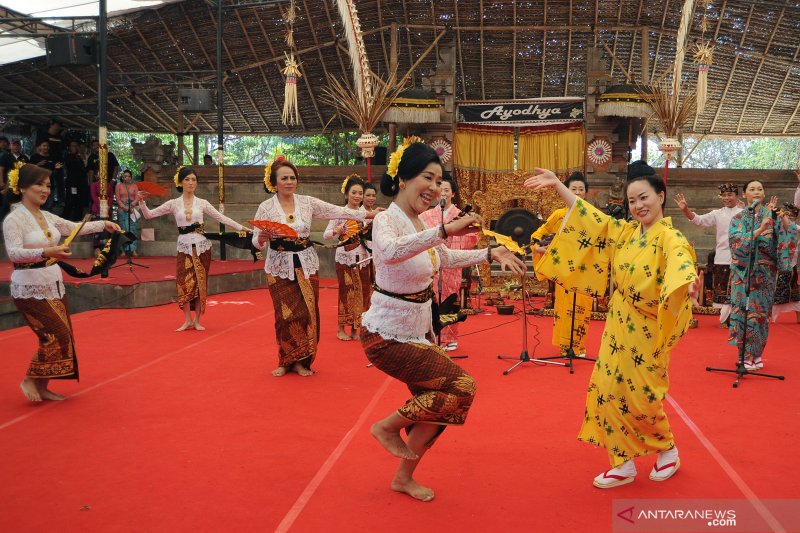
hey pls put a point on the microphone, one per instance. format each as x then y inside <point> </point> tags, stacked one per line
<point>755,203</point>
<point>442,203</point>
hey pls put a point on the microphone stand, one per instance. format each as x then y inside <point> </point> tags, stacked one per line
<point>524,357</point>
<point>740,370</point>
<point>129,253</point>
<point>570,355</point>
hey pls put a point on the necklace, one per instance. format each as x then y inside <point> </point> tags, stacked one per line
<point>43,225</point>
<point>290,218</point>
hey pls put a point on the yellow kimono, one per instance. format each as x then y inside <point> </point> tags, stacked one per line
<point>562,319</point>
<point>648,313</point>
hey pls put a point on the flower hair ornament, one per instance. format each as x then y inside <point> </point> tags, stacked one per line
<point>397,156</point>
<point>347,180</point>
<point>176,178</point>
<point>13,177</point>
<point>268,170</point>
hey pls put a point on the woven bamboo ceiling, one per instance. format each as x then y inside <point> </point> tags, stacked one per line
<point>504,49</point>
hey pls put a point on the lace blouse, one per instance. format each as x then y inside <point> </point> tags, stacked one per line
<point>346,257</point>
<point>403,266</point>
<point>306,208</point>
<point>25,242</point>
<point>198,208</point>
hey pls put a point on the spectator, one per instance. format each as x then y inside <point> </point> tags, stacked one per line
<point>94,191</point>
<point>208,161</point>
<point>9,158</point>
<point>52,135</point>
<point>77,185</point>
<point>129,214</point>
<point>42,158</point>
<point>94,161</point>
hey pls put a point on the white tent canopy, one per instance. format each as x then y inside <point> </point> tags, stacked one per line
<point>15,46</point>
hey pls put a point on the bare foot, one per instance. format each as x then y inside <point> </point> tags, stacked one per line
<point>199,327</point>
<point>50,395</point>
<point>413,489</point>
<point>392,441</point>
<point>342,336</point>
<point>280,371</point>
<point>302,371</point>
<point>185,326</point>
<point>30,390</point>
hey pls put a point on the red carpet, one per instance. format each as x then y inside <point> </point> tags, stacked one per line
<point>159,268</point>
<point>188,431</point>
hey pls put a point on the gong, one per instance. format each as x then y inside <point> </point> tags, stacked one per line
<point>519,224</point>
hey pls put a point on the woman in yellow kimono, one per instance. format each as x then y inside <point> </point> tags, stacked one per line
<point>562,321</point>
<point>652,267</point>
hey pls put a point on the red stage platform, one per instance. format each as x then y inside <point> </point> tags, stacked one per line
<point>158,269</point>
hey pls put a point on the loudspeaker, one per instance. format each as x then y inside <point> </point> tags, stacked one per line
<point>196,100</point>
<point>380,155</point>
<point>70,49</point>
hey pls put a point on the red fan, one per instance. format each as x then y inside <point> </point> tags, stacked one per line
<point>274,229</point>
<point>153,189</point>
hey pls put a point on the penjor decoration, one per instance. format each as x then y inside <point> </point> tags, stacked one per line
<point>369,101</point>
<point>291,113</point>
<point>703,57</point>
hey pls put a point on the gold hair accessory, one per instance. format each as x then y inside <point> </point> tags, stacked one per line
<point>13,177</point>
<point>176,177</point>
<point>268,170</point>
<point>394,161</point>
<point>728,187</point>
<point>347,179</point>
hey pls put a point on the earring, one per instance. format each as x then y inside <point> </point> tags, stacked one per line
<point>402,185</point>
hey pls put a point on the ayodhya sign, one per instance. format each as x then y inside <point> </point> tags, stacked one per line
<point>536,111</point>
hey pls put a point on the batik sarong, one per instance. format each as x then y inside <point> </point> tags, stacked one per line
<point>355,290</point>
<point>192,279</point>
<point>50,321</point>
<point>720,279</point>
<point>296,305</point>
<point>443,391</point>
<point>786,289</point>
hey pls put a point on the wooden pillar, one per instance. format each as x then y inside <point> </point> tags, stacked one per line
<point>181,143</point>
<point>195,148</point>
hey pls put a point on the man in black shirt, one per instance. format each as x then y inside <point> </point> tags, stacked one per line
<point>42,158</point>
<point>9,159</point>
<point>52,135</point>
<point>77,186</point>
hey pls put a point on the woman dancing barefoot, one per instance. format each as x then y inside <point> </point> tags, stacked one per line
<point>397,330</point>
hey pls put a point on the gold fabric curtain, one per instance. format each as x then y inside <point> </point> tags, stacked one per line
<point>480,153</point>
<point>558,148</point>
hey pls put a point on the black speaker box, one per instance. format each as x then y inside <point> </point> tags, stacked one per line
<point>70,49</point>
<point>380,155</point>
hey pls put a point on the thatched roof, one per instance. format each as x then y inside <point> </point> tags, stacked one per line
<point>504,49</point>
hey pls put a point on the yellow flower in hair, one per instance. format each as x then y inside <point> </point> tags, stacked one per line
<point>347,180</point>
<point>268,170</point>
<point>394,161</point>
<point>176,177</point>
<point>13,178</point>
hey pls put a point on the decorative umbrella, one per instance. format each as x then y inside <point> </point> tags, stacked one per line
<point>413,106</point>
<point>624,101</point>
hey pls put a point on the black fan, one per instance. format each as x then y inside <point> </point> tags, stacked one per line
<point>519,224</point>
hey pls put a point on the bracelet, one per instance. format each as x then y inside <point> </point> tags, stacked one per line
<point>444,231</point>
<point>42,254</point>
<point>489,254</point>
